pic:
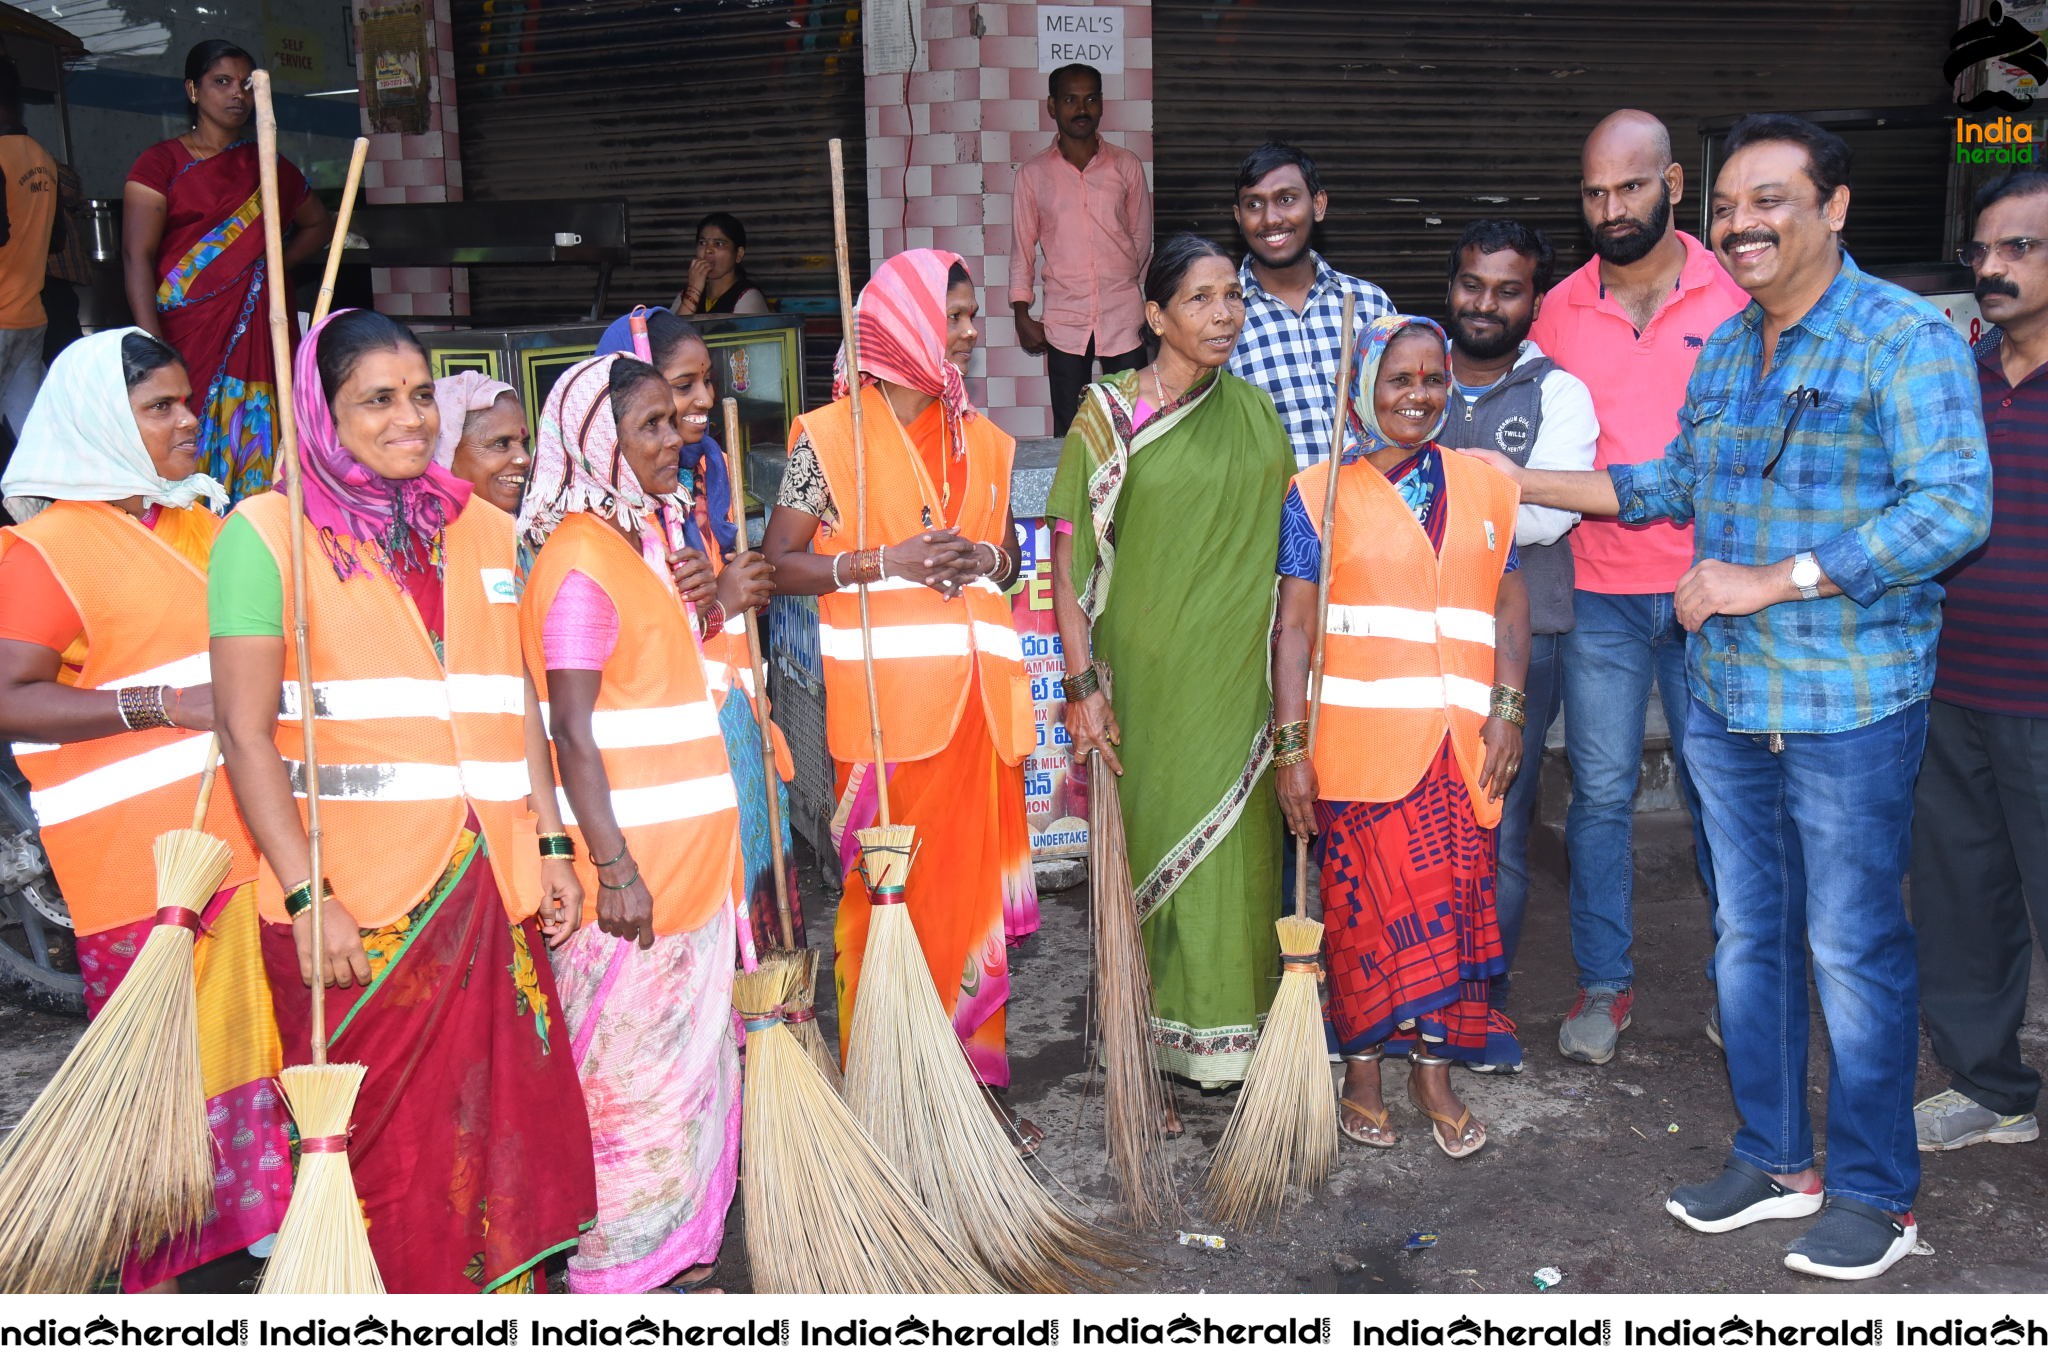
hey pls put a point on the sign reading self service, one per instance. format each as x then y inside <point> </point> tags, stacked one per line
<point>1081,33</point>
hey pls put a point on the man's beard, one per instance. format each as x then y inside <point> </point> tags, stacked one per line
<point>1633,246</point>
<point>1491,347</point>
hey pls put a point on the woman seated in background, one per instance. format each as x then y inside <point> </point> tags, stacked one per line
<point>1421,729</point>
<point>613,642</point>
<point>104,584</point>
<point>718,281</point>
<point>484,440</point>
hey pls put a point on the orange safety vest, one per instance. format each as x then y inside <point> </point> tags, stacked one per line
<point>101,803</point>
<point>655,726</point>
<point>408,745</point>
<point>928,648</point>
<point>1409,653</point>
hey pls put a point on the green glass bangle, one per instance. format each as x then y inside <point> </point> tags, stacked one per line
<point>607,863</point>
<point>300,899</point>
<point>620,887</point>
<point>558,845</point>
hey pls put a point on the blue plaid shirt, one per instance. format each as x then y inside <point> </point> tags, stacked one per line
<point>1293,357</point>
<point>1883,477</point>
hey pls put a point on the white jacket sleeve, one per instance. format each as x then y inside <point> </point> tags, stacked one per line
<point>1564,441</point>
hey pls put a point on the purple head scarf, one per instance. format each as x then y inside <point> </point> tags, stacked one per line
<point>353,505</point>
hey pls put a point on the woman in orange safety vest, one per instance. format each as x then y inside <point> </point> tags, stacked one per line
<point>1420,729</point>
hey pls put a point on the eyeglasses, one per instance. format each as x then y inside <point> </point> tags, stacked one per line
<point>2009,249</point>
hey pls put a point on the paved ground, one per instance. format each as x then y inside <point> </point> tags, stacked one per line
<point>1575,1175</point>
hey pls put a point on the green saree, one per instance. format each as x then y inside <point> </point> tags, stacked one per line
<point>1183,517</point>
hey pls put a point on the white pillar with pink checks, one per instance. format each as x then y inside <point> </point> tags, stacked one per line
<point>420,168</point>
<point>944,141</point>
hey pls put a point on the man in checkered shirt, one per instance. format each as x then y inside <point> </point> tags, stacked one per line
<point>1293,299</point>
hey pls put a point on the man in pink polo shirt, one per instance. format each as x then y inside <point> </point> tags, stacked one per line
<point>1629,323</point>
<point>1084,203</point>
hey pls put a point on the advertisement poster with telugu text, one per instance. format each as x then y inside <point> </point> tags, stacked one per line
<point>1055,797</point>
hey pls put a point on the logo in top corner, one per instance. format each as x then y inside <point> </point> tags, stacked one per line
<point>370,1330</point>
<point>101,1331</point>
<point>1734,1330</point>
<point>1694,342</point>
<point>642,1331</point>
<point>1997,37</point>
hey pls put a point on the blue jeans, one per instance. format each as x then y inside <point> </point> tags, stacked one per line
<point>1621,642</point>
<point>1511,878</point>
<point>1810,848</point>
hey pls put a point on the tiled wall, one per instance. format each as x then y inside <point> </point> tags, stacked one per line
<point>421,168</point>
<point>943,148</point>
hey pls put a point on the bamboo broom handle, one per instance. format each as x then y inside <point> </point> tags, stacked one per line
<point>288,454</point>
<point>736,477</point>
<point>206,779</point>
<point>325,299</point>
<point>1315,664</point>
<point>860,466</point>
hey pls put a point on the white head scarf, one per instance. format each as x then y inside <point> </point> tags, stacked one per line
<point>81,442</point>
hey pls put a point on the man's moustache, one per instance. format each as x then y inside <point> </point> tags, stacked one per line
<point>1986,288</point>
<point>1729,244</point>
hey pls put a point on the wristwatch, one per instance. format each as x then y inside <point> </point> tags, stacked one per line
<point>1806,575</point>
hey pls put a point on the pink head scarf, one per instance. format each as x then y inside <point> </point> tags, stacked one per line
<point>353,505</point>
<point>457,396</point>
<point>901,328</point>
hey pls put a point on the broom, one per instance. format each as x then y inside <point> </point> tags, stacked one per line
<point>77,1193</point>
<point>1134,1099</point>
<point>323,1245</point>
<point>826,1213</point>
<point>907,1079</point>
<point>1284,1128</point>
<point>325,299</point>
<point>801,1014</point>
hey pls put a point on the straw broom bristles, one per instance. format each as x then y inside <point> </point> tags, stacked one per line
<point>803,1010</point>
<point>1285,1126</point>
<point>116,1153</point>
<point>909,1085</point>
<point>826,1214</point>
<point>323,1246</point>
<point>1134,1098</point>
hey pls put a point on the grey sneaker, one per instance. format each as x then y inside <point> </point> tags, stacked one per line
<point>1593,1029</point>
<point>1950,1120</point>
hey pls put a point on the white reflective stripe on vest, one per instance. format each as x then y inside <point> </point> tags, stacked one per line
<point>396,698</point>
<point>189,672</point>
<point>1411,624</point>
<point>636,807</point>
<point>998,640</point>
<point>1424,693</point>
<point>486,781</point>
<point>1465,624</point>
<point>718,674</point>
<point>896,643</point>
<point>633,728</point>
<point>117,782</point>
<point>893,584</point>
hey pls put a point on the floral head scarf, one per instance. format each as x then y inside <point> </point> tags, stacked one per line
<point>1365,436</point>
<point>577,464</point>
<point>353,505</point>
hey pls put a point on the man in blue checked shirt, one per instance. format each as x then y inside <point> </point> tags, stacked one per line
<point>1293,333</point>
<point>1831,454</point>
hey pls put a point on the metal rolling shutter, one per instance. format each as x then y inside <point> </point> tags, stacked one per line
<point>1422,119</point>
<point>683,108</point>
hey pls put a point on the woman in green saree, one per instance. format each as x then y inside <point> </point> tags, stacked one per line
<point>1173,477</point>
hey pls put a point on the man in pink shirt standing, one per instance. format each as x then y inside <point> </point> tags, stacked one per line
<point>1629,323</point>
<point>1085,204</point>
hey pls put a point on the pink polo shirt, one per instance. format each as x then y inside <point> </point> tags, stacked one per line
<point>1095,228</point>
<point>1638,385</point>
